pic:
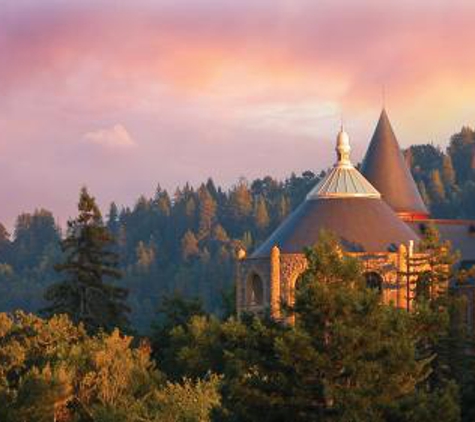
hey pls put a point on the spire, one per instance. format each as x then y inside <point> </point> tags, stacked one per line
<point>384,166</point>
<point>343,149</point>
<point>343,181</point>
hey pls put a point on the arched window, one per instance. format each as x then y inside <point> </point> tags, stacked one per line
<point>374,280</point>
<point>255,290</point>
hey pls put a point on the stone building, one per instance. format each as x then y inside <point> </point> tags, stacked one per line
<point>378,216</point>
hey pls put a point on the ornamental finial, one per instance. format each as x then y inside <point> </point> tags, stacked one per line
<point>343,148</point>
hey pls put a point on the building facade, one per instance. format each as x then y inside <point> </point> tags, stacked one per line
<point>377,215</point>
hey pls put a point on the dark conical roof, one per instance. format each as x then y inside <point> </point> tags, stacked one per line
<point>360,224</point>
<point>385,168</point>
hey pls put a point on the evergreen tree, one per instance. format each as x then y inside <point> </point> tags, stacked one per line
<point>207,212</point>
<point>423,191</point>
<point>436,186</point>
<point>347,358</point>
<point>261,215</point>
<point>35,235</point>
<point>448,172</point>
<point>283,208</point>
<point>145,256</point>
<point>240,202</point>
<point>86,294</point>
<point>162,201</point>
<point>5,244</point>
<point>211,187</point>
<point>468,204</point>
<point>189,246</point>
<point>220,234</point>
<point>446,333</point>
<point>462,151</point>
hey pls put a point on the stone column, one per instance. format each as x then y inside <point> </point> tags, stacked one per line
<point>402,277</point>
<point>240,281</point>
<point>274,284</point>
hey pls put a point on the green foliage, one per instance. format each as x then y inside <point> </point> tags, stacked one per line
<point>348,356</point>
<point>446,179</point>
<point>89,263</point>
<point>185,242</point>
<point>261,215</point>
<point>53,370</point>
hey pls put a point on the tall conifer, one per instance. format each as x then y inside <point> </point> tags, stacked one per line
<point>86,294</point>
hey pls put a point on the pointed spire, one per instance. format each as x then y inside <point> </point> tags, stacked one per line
<point>385,168</point>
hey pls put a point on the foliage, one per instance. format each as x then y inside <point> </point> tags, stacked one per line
<point>348,356</point>
<point>53,370</point>
<point>86,295</point>
<point>184,241</point>
<point>446,179</point>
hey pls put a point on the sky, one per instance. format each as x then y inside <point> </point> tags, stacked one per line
<point>122,95</point>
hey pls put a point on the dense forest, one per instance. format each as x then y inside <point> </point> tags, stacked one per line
<point>347,357</point>
<point>185,241</point>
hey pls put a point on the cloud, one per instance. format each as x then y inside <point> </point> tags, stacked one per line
<point>115,137</point>
<point>225,88</point>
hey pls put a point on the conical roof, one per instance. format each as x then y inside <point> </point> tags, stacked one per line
<point>346,204</point>
<point>385,168</point>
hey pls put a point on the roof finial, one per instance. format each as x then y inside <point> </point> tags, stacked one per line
<point>343,148</point>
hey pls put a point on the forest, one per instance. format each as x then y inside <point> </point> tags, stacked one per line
<point>184,242</point>
<point>347,357</point>
<point>131,317</point>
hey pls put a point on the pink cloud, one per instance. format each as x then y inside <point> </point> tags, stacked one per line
<point>114,137</point>
<point>225,88</point>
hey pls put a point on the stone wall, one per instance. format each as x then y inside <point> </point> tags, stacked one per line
<point>279,273</point>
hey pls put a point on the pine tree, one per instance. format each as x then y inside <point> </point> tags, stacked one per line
<point>219,234</point>
<point>162,202</point>
<point>34,235</point>
<point>448,172</point>
<point>189,246</point>
<point>145,256</point>
<point>436,186</point>
<point>240,202</point>
<point>423,191</point>
<point>5,243</point>
<point>441,261</point>
<point>86,294</point>
<point>261,215</point>
<point>283,208</point>
<point>461,151</point>
<point>113,223</point>
<point>207,212</point>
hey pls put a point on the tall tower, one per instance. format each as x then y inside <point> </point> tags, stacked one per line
<point>385,168</point>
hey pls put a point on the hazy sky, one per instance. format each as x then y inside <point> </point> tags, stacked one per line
<point>121,95</point>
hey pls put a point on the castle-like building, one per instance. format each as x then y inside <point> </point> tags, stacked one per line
<point>377,215</point>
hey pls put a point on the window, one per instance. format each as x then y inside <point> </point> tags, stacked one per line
<point>374,280</point>
<point>255,290</point>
